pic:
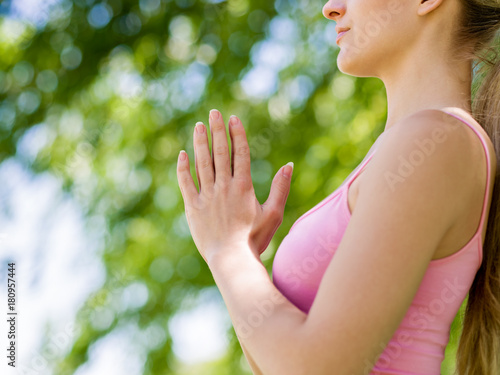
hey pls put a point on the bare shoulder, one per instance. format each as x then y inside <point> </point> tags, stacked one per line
<point>477,127</point>
<point>448,124</point>
<point>439,127</point>
<point>459,143</point>
<point>432,154</point>
<point>446,140</point>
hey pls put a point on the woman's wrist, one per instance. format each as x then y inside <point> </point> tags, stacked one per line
<point>231,256</point>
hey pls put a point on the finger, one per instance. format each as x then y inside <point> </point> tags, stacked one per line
<point>220,148</point>
<point>240,149</point>
<point>184,178</point>
<point>203,161</point>
<point>195,160</point>
<point>280,187</point>
<point>232,148</point>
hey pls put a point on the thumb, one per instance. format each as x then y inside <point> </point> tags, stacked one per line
<point>280,188</point>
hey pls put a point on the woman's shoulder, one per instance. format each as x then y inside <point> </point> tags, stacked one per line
<point>431,153</point>
<point>448,119</point>
<point>454,129</point>
<point>431,130</point>
<point>460,116</point>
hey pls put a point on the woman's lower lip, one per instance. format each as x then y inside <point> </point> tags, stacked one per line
<point>340,35</point>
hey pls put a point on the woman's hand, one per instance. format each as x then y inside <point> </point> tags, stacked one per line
<point>226,212</point>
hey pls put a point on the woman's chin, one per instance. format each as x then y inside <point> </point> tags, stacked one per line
<point>351,64</point>
<point>345,62</point>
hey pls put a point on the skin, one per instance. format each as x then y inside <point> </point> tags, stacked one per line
<point>370,282</point>
<point>410,53</point>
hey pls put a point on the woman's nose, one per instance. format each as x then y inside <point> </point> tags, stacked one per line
<point>334,9</point>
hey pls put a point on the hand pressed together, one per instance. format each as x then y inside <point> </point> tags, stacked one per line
<point>225,213</point>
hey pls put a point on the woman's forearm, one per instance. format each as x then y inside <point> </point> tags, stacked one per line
<point>266,323</point>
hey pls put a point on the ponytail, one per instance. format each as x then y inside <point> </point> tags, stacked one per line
<point>478,351</point>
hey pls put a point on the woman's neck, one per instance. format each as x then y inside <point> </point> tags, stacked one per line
<point>427,84</point>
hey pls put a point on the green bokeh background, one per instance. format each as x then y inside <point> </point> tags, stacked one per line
<point>116,88</point>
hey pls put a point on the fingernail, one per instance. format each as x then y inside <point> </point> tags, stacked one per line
<point>214,114</point>
<point>182,155</point>
<point>233,120</point>
<point>200,129</point>
<point>288,169</point>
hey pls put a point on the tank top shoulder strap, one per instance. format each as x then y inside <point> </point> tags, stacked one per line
<point>348,181</point>
<point>357,171</point>
<point>488,168</point>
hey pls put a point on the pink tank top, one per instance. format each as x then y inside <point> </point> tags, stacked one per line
<point>418,345</point>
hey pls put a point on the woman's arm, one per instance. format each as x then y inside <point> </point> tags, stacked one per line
<point>400,217</point>
<point>251,362</point>
<point>267,325</point>
<point>377,268</point>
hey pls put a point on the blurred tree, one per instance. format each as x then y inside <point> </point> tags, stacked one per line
<point>111,91</point>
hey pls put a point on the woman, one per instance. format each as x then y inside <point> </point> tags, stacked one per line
<point>369,280</point>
